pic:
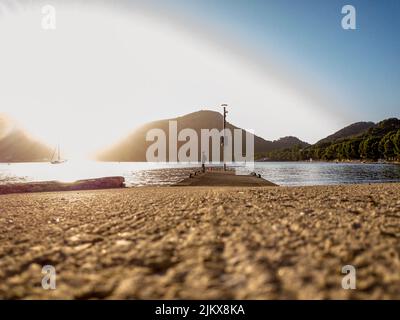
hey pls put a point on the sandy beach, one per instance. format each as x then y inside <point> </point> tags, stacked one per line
<point>203,243</point>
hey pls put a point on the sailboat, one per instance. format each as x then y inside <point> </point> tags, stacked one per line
<point>58,160</point>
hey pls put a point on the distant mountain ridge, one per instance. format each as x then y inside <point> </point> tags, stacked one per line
<point>288,142</point>
<point>349,131</point>
<point>364,141</point>
<point>17,146</point>
<point>133,147</point>
<point>360,140</point>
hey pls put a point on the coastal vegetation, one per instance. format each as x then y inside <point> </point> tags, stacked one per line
<point>379,142</point>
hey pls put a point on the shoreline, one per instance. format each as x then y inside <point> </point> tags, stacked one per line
<point>255,161</point>
<point>184,176</point>
<point>57,187</point>
<point>332,161</point>
<point>54,186</point>
<point>210,178</point>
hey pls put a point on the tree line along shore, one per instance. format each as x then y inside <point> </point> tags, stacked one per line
<point>380,142</point>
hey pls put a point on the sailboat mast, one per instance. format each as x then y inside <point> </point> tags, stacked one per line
<point>58,151</point>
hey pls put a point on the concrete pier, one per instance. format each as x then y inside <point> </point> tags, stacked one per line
<point>217,178</point>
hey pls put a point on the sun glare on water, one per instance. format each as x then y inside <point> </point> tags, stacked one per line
<point>69,171</point>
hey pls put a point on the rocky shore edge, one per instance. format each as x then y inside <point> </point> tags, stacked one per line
<point>49,186</point>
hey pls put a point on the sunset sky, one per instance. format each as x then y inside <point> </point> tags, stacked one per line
<point>284,67</point>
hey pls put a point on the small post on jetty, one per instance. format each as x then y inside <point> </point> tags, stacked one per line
<point>223,138</point>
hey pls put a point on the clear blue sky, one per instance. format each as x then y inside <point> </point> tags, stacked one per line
<point>362,66</point>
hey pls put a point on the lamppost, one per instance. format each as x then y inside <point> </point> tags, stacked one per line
<point>224,105</point>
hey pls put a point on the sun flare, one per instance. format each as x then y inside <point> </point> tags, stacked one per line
<point>101,73</point>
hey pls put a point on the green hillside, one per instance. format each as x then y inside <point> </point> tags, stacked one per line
<point>381,141</point>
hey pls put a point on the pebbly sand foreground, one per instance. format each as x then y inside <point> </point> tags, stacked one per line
<point>203,243</point>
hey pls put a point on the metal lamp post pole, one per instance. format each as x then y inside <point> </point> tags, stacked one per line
<point>223,138</point>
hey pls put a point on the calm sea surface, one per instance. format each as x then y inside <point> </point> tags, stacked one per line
<point>138,174</point>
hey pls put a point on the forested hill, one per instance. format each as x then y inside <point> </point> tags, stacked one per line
<point>134,146</point>
<point>380,141</point>
<point>349,131</point>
